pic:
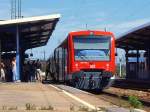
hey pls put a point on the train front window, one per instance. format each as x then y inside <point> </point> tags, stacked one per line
<point>92,48</point>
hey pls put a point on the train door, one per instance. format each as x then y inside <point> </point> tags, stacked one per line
<point>56,60</point>
<point>60,62</point>
<point>64,63</point>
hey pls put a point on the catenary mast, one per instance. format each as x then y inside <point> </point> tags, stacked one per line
<point>16,9</point>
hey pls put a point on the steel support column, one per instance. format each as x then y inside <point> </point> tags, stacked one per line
<point>127,65</point>
<point>0,56</point>
<point>17,53</point>
<point>137,64</point>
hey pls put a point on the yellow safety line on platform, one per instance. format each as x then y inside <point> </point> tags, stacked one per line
<point>55,87</point>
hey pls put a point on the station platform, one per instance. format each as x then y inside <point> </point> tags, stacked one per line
<point>19,95</point>
<point>38,97</point>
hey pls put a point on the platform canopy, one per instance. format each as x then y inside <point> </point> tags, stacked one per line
<point>137,38</point>
<point>33,32</point>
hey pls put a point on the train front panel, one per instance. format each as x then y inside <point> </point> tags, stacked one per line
<point>91,59</point>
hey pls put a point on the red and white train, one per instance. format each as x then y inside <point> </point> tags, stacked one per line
<point>85,59</point>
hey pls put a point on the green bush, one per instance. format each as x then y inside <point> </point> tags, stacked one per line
<point>83,108</point>
<point>72,108</point>
<point>13,108</point>
<point>30,106</point>
<point>47,107</point>
<point>134,102</point>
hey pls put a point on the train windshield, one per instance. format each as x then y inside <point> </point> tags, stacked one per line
<point>92,48</point>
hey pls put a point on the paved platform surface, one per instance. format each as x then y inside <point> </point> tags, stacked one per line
<point>20,94</point>
<point>17,96</point>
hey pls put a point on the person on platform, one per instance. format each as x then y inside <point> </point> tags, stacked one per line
<point>2,71</point>
<point>32,71</point>
<point>28,71</point>
<point>14,70</point>
<point>47,71</point>
<point>38,70</point>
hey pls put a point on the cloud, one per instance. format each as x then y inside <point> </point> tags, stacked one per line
<point>122,27</point>
<point>134,23</point>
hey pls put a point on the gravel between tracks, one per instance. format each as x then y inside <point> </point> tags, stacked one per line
<point>128,92</point>
<point>120,93</point>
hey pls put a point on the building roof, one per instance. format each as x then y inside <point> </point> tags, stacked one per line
<point>33,31</point>
<point>137,38</point>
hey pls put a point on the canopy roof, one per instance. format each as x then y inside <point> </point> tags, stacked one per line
<point>137,38</point>
<point>33,32</point>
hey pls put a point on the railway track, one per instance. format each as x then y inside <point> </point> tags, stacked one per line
<point>132,84</point>
<point>119,97</point>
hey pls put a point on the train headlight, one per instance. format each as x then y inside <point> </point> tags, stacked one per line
<point>107,65</point>
<point>91,33</point>
<point>76,65</point>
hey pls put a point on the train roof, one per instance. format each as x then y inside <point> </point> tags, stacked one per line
<point>85,32</point>
<point>88,31</point>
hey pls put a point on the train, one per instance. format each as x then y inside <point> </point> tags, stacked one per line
<point>85,60</point>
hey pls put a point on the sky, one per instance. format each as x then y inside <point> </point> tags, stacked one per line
<point>117,16</point>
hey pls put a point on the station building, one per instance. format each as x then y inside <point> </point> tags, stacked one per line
<point>136,44</point>
<point>19,35</point>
